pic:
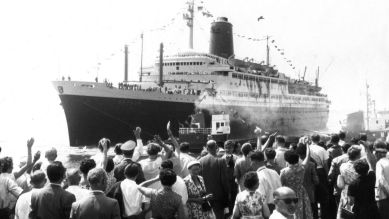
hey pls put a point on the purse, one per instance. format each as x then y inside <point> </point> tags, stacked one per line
<point>346,211</point>
<point>206,206</point>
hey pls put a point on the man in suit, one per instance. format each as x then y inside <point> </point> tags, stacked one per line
<point>52,201</point>
<point>96,204</point>
<point>214,174</point>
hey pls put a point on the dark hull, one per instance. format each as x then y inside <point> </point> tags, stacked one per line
<point>91,118</point>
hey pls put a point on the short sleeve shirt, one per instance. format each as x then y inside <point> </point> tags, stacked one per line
<point>9,190</point>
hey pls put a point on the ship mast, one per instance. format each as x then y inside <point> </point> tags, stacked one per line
<point>367,106</point>
<point>267,51</point>
<point>141,58</point>
<point>189,21</point>
<point>125,63</point>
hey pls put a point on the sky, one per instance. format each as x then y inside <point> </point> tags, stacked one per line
<point>41,41</point>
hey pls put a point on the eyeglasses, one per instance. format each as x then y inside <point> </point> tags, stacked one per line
<point>289,201</point>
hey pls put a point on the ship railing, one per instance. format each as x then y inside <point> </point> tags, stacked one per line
<point>195,131</point>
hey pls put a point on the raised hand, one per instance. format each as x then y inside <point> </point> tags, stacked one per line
<point>30,142</point>
<point>37,155</point>
<point>257,130</point>
<point>137,132</point>
<point>169,131</point>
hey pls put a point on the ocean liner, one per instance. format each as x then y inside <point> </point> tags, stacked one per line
<point>180,85</point>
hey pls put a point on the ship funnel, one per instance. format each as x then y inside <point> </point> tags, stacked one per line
<point>221,43</point>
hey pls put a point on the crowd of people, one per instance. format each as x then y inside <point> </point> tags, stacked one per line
<point>272,179</point>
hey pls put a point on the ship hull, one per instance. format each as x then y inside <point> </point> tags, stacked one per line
<point>90,118</point>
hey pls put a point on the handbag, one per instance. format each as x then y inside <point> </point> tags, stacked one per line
<point>206,206</point>
<point>346,211</point>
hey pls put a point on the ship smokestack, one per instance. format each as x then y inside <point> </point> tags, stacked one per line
<point>125,62</point>
<point>221,43</point>
<point>161,65</point>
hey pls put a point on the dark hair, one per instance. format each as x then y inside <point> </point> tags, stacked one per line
<point>257,156</point>
<point>131,170</point>
<point>153,149</point>
<point>270,153</point>
<point>168,177</point>
<point>361,167</point>
<point>167,164</point>
<point>117,149</point>
<point>280,139</point>
<point>353,153</point>
<point>229,143</point>
<point>101,146</point>
<point>363,136</point>
<point>335,139</point>
<point>301,150</point>
<point>250,180</point>
<point>55,171</point>
<point>110,165</point>
<point>128,153</point>
<point>322,144</point>
<point>86,165</point>
<point>315,138</point>
<point>5,164</point>
<point>37,177</point>
<point>345,147</point>
<point>184,147</point>
<point>246,148</point>
<point>342,135</point>
<point>293,146</point>
<point>354,140</point>
<point>379,144</point>
<point>291,157</point>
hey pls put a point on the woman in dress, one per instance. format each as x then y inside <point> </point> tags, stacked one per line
<point>165,204</point>
<point>346,177</point>
<point>196,192</point>
<point>250,203</point>
<point>293,177</point>
<point>111,180</point>
<point>86,165</point>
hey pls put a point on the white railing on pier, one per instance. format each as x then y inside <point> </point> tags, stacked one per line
<point>195,130</point>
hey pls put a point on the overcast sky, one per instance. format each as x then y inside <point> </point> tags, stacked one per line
<point>42,40</point>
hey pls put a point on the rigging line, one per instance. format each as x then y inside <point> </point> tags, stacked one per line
<point>113,117</point>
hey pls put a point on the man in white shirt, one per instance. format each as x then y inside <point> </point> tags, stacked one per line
<point>133,200</point>
<point>280,151</point>
<point>269,180</point>
<point>22,209</point>
<point>185,158</point>
<point>73,179</point>
<point>320,156</point>
<point>150,165</point>
<point>285,200</point>
<point>382,178</point>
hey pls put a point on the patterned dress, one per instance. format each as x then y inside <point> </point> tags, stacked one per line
<point>250,204</point>
<point>293,177</point>
<point>195,191</point>
<point>349,175</point>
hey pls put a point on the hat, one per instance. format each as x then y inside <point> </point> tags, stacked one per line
<point>128,145</point>
<point>192,163</point>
